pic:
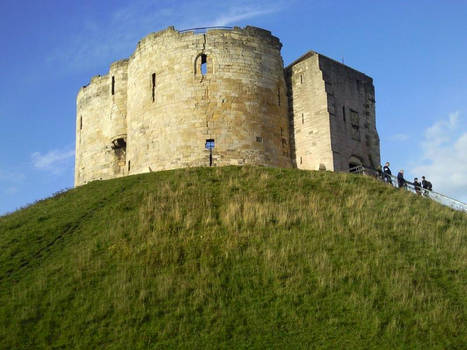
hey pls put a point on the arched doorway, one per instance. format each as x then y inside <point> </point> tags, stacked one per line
<point>354,164</point>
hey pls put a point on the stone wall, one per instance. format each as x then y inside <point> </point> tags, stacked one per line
<point>351,106</point>
<point>101,119</point>
<point>156,110</point>
<point>332,111</point>
<point>309,115</point>
<point>165,107</point>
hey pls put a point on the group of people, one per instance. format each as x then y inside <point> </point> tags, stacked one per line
<point>402,183</point>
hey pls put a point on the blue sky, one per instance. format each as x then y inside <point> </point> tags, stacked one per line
<point>416,52</point>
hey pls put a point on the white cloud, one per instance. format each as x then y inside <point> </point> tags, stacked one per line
<point>11,190</point>
<point>104,40</point>
<point>11,176</point>
<point>10,181</point>
<point>237,14</point>
<point>400,137</point>
<point>55,161</point>
<point>444,156</point>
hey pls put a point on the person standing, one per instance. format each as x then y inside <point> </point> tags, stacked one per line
<point>387,173</point>
<point>425,185</point>
<point>417,185</point>
<point>400,179</point>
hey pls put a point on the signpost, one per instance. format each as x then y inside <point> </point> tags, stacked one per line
<point>210,145</point>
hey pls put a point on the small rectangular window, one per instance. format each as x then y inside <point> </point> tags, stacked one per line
<point>113,85</point>
<point>259,139</point>
<point>303,118</point>
<point>301,78</point>
<point>81,122</point>
<point>355,123</point>
<point>153,82</point>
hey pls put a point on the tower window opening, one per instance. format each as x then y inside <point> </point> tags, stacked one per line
<point>113,85</point>
<point>119,143</point>
<point>343,113</point>
<point>259,139</point>
<point>279,96</point>
<point>282,132</point>
<point>301,160</point>
<point>81,122</point>
<point>129,165</point>
<point>303,118</point>
<point>153,88</point>
<point>204,64</point>
<point>301,78</point>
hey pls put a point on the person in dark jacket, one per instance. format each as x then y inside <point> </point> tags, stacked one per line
<point>417,185</point>
<point>387,173</point>
<point>424,182</point>
<point>400,179</point>
<point>426,186</point>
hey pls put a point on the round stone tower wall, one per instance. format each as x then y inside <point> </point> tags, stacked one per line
<point>101,126</point>
<point>91,108</point>
<point>222,85</point>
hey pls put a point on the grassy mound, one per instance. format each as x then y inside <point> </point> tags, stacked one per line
<point>235,257</point>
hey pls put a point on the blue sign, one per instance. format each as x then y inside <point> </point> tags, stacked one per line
<point>210,144</point>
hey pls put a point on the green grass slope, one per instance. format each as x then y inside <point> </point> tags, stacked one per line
<point>233,258</point>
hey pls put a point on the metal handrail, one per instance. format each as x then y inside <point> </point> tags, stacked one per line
<point>409,186</point>
<point>204,28</point>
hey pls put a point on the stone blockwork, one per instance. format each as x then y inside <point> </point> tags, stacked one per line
<point>164,106</point>
<point>332,115</point>
<point>156,110</point>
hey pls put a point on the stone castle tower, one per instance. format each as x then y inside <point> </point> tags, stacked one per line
<point>179,90</point>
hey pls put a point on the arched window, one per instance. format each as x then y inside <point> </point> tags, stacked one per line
<point>204,64</point>
<point>201,64</point>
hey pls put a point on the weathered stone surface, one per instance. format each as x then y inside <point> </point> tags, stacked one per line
<point>155,110</point>
<point>332,114</point>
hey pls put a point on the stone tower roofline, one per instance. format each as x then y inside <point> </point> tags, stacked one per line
<point>251,30</point>
<point>98,78</point>
<point>248,30</point>
<point>312,53</point>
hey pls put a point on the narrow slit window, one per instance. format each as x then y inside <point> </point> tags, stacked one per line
<point>343,113</point>
<point>282,132</point>
<point>279,96</point>
<point>113,85</point>
<point>301,160</point>
<point>81,122</point>
<point>153,88</point>
<point>303,119</point>
<point>204,64</point>
<point>129,165</point>
<point>301,78</point>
